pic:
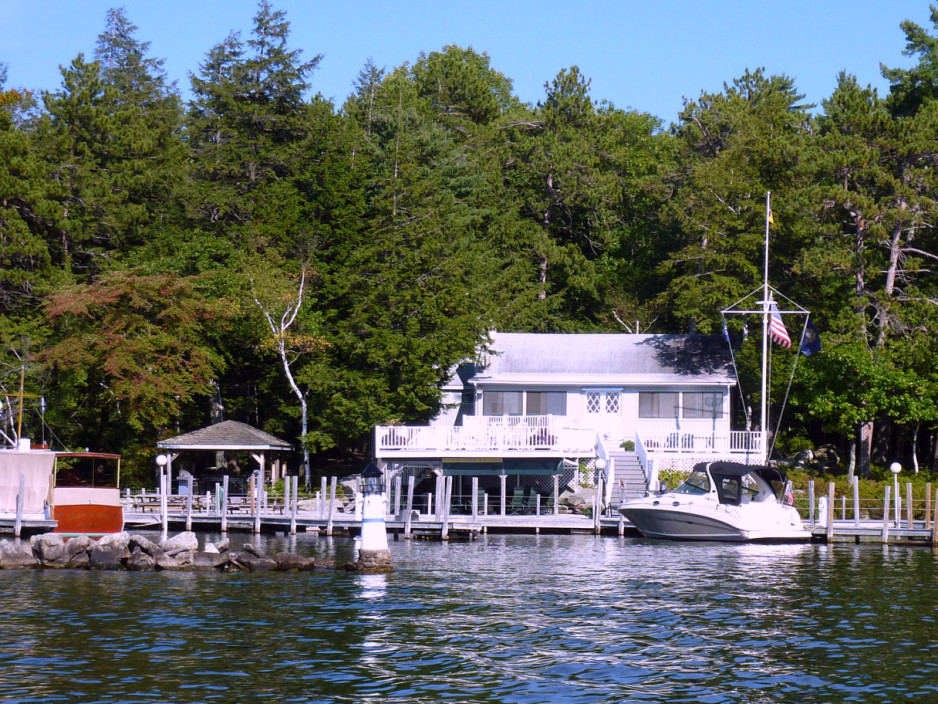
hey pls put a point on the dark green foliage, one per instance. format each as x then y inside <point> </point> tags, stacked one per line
<point>433,207</point>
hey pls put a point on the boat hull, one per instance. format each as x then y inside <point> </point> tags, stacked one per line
<point>89,511</point>
<point>686,523</point>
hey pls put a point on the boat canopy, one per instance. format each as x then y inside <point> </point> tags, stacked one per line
<point>738,469</point>
<point>738,483</point>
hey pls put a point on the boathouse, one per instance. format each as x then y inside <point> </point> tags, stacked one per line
<point>536,413</point>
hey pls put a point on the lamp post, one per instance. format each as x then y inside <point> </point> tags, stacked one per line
<point>162,461</point>
<point>895,468</point>
<point>374,555</point>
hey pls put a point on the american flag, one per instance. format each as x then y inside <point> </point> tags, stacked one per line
<point>789,494</point>
<point>777,330</point>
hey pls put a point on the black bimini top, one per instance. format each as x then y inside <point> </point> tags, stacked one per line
<point>727,478</point>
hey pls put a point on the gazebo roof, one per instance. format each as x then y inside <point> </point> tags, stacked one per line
<point>227,435</point>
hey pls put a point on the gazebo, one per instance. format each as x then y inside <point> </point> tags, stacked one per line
<point>230,436</point>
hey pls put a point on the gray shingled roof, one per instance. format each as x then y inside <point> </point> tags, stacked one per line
<point>227,435</point>
<point>607,358</point>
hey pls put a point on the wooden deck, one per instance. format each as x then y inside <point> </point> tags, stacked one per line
<point>346,524</point>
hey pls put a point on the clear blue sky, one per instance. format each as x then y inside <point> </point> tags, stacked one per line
<point>645,55</point>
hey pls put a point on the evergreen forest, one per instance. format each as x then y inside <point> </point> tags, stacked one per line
<point>258,253</point>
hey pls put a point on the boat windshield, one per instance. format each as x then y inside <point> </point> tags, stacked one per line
<point>697,483</point>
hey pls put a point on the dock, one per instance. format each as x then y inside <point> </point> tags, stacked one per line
<point>427,527</point>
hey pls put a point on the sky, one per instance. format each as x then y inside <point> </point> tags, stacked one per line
<point>647,55</point>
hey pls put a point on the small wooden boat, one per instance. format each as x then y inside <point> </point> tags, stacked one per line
<point>86,493</point>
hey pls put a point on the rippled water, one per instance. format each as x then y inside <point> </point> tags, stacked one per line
<point>578,619</point>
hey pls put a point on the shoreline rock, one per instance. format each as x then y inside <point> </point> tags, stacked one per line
<point>137,553</point>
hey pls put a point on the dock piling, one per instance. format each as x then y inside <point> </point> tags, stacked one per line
<point>296,502</point>
<point>886,515</point>
<point>908,501</point>
<point>224,503</point>
<point>409,506</point>
<point>856,501</point>
<point>934,524</point>
<point>332,482</point>
<point>18,523</point>
<point>811,502</point>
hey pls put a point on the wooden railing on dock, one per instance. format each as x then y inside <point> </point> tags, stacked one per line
<point>872,519</point>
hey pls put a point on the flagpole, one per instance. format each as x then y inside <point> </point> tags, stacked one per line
<point>764,404</point>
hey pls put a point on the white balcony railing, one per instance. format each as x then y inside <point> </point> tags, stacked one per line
<point>502,434</point>
<point>550,434</point>
<point>718,443</point>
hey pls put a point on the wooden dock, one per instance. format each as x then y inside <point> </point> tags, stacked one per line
<point>421,527</point>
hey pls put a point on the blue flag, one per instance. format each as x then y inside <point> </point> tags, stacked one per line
<point>811,342</point>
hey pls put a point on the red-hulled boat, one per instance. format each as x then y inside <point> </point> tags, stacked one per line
<point>86,493</point>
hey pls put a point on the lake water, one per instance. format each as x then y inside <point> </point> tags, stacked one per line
<point>578,619</point>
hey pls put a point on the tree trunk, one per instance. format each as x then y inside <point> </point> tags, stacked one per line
<point>866,447</point>
<point>852,459</point>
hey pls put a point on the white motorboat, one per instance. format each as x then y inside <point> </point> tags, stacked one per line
<point>721,501</point>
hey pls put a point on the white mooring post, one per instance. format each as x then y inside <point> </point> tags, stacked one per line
<point>164,505</point>
<point>224,504</point>
<point>409,507</point>
<point>259,499</point>
<point>332,481</point>
<point>296,502</point>
<point>189,483</point>
<point>322,498</point>
<point>886,516</point>
<point>447,499</point>
<point>856,501</point>
<point>18,523</point>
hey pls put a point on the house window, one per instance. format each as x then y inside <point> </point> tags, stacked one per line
<point>702,404</point>
<point>593,401</point>
<point>546,403</point>
<point>658,404</point>
<point>612,403</point>
<point>502,403</point>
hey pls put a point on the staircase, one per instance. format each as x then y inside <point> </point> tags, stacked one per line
<point>628,471</point>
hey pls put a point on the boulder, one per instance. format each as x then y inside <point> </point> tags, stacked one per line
<point>16,555</point>
<point>107,556</point>
<point>223,545</point>
<point>49,549</point>
<point>206,562</point>
<point>140,561</point>
<point>253,563</point>
<point>210,548</point>
<point>169,563</point>
<point>291,562</point>
<point>118,543</point>
<point>80,560</point>
<point>580,501</point>
<point>250,549</point>
<point>183,541</point>
<point>145,545</point>
<point>77,545</point>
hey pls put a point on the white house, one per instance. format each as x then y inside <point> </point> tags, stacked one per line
<point>535,406</point>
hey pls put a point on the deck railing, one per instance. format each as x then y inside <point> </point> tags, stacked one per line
<point>530,433</point>
<point>716,443</point>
